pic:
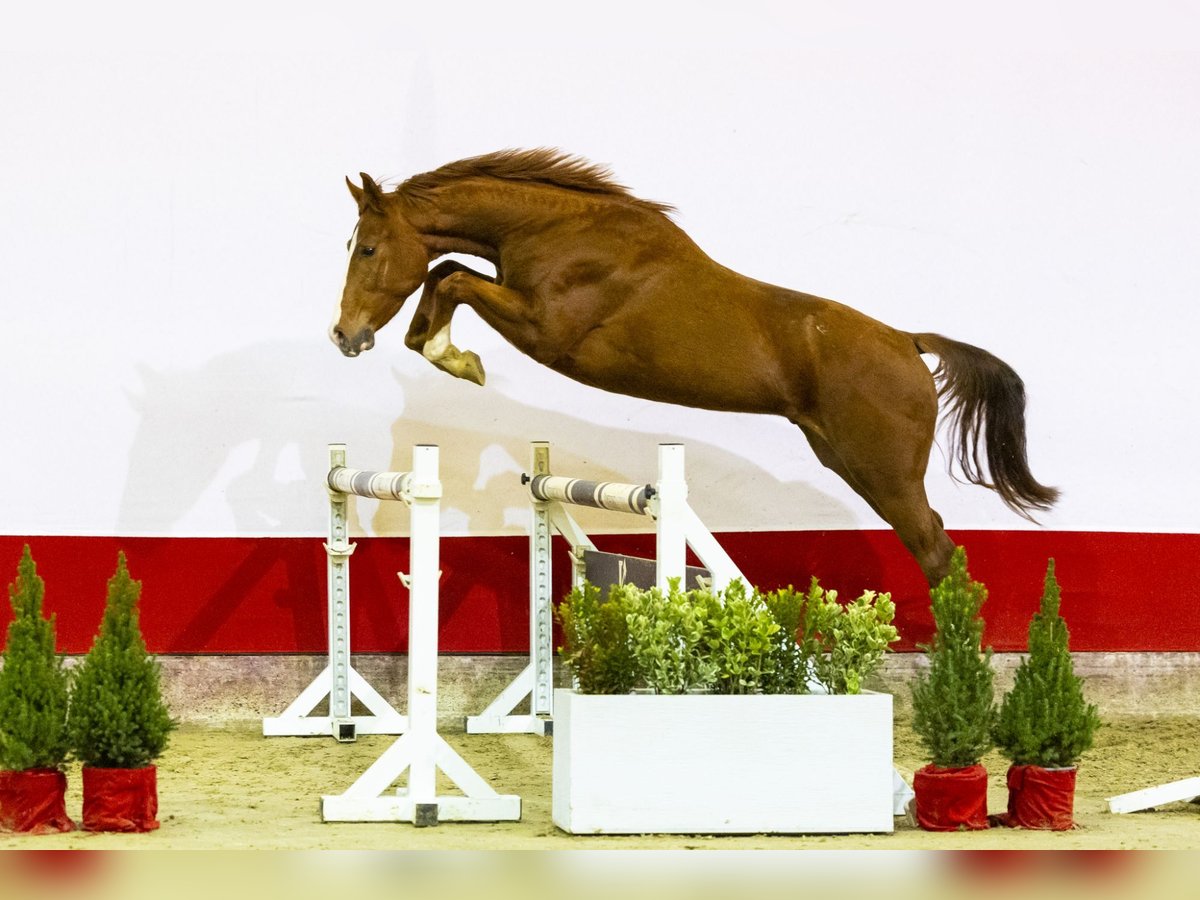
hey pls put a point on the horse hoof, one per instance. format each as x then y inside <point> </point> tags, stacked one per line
<point>472,369</point>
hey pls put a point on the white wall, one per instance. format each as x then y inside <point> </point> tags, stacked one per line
<point>173,223</point>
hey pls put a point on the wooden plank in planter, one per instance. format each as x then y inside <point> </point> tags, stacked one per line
<point>718,764</point>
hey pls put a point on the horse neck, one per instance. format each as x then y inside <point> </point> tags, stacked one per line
<point>478,216</point>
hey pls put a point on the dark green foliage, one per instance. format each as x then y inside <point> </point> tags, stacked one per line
<point>118,719</point>
<point>596,642</point>
<point>790,672</point>
<point>33,683</point>
<point>953,703</point>
<point>1044,720</point>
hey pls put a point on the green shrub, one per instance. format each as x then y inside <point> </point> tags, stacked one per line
<point>1044,720</point>
<point>596,642</point>
<point>851,640</point>
<point>735,641</point>
<point>669,636</point>
<point>33,683</point>
<point>953,703</point>
<point>117,717</point>
<point>739,638</point>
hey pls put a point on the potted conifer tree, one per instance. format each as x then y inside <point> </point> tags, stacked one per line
<point>954,707</point>
<point>1045,724</point>
<point>33,714</point>
<point>118,722</point>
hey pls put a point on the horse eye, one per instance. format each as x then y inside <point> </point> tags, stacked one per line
<point>367,251</point>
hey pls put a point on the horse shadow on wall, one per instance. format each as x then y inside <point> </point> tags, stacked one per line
<point>243,437</point>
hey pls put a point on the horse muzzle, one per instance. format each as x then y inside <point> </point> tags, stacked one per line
<point>352,345</point>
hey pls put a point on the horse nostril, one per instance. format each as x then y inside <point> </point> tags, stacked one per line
<point>361,342</point>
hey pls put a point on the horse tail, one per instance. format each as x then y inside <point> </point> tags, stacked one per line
<point>984,402</point>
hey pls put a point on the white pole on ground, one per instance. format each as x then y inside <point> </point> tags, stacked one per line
<point>1160,795</point>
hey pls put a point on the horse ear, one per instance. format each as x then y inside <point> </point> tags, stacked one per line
<point>372,194</point>
<point>356,192</point>
<point>369,196</point>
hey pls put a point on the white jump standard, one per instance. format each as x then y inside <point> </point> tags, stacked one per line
<point>338,680</point>
<point>676,526</point>
<point>420,751</point>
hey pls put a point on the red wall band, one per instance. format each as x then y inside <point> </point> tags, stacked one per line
<point>1121,591</point>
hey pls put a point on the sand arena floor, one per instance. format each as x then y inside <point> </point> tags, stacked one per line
<point>227,787</point>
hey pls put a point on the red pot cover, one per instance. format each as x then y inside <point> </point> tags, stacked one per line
<point>1040,798</point>
<point>31,801</point>
<point>120,799</point>
<point>951,799</point>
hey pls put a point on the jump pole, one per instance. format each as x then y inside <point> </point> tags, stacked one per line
<point>676,528</point>
<point>420,751</point>
<point>339,681</point>
<point>1160,795</point>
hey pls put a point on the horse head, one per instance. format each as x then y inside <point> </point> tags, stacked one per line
<point>388,261</point>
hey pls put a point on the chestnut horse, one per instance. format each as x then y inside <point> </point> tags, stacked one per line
<point>604,288</point>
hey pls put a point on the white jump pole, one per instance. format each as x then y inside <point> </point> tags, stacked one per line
<point>1160,795</point>
<point>420,751</point>
<point>339,681</point>
<point>676,528</point>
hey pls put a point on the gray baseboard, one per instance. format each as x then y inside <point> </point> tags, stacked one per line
<point>224,688</point>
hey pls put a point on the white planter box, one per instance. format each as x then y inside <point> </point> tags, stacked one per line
<point>717,764</point>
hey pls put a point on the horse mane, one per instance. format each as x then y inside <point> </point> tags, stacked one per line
<point>541,166</point>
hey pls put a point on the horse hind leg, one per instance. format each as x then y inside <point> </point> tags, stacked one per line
<point>897,496</point>
<point>921,531</point>
<point>830,460</point>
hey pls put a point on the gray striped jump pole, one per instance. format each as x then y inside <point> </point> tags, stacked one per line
<point>612,495</point>
<point>380,485</point>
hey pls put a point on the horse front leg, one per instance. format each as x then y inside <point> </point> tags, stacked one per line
<point>450,285</point>
<point>429,331</point>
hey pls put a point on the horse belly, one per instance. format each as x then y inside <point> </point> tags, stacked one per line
<point>670,368</point>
